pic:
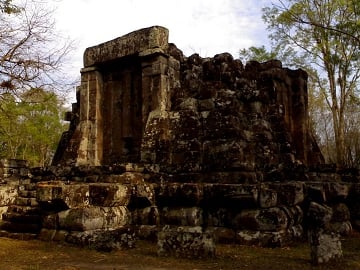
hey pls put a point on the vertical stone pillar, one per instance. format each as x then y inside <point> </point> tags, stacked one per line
<point>156,103</point>
<point>325,245</point>
<point>90,150</point>
<point>155,82</point>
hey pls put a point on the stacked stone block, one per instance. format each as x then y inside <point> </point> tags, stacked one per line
<point>19,211</point>
<point>353,202</point>
<point>8,195</point>
<point>95,209</point>
<point>12,169</point>
<point>182,232</point>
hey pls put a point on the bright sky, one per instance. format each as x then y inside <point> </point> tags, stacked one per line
<point>206,27</point>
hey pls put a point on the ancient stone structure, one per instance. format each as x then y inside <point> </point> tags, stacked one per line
<point>142,100</point>
<point>206,149</point>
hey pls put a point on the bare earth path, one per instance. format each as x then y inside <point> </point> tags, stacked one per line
<point>37,255</point>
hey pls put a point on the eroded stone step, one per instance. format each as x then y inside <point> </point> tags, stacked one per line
<point>24,210</point>
<point>26,201</point>
<point>27,193</point>
<point>21,218</point>
<point>24,181</point>
<point>16,227</point>
<point>28,186</point>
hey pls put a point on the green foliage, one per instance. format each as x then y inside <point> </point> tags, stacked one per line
<point>7,7</point>
<point>322,37</point>
<point>30,127</point>
<point>259,54</point>
<point>31,56</point>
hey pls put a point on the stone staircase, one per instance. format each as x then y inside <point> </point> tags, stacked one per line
<point>22,219</point>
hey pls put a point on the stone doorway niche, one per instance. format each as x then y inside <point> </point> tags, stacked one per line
<point>122,81</point>
<point>122,110</point>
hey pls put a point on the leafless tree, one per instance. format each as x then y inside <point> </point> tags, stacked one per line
<point>32,52</point>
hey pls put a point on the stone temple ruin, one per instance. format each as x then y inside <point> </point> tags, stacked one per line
<point>184,151</point>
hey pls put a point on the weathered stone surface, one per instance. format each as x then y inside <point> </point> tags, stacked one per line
<point>92,218</point>
<point>343,228</point>
<point>291,193</point>
<point>21,201</point>
<point>325,177</point>
<point>10,169</point>
<point>145,216</point>
<point>294,214</point>
<point>147,232</point>
<point>50,222</point>
<point>8,194</point>
<point>267,197</point>
<point>192,216</point>
<point>72,195</point>
<point>325,247</point>
<point>340,213</point>
<point>3,209</point>
<point>103,240</point>
<point>261,239</point>
<point>270,239</point>
<point>325,244</point>
<point>21,218</point>
<point>189,242</point>
<point>123,178</point>
<point>140,41</point>
<point>219,217</point>
<point>231,177</point>
<point>142,195</point>
<point>295,233</point>
<point>24,210</point>
<point>336,192</point>
<point>179,194</point>
<point>222,235</point>
<point>319,216</point>
<point>109,194</point>
<point>271,219</point>
<point>233,195</point>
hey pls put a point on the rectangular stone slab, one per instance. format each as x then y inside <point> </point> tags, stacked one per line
<point>190,242</point>
<point>147,39</point>
<point>93,218</point>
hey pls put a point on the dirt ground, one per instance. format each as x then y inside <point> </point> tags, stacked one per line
<point>37,255</point>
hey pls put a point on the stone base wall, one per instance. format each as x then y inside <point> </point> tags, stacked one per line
<point>12,167</point>
<point>83,205</point>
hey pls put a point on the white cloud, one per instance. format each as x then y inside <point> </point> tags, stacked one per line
<point>206,27</point>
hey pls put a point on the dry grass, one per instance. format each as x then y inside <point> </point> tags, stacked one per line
<point>36,255</point>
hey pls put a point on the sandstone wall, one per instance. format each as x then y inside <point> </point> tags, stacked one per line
<point>142,100</point>
<point>83,205</point>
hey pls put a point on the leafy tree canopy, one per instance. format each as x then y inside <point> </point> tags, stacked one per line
<point>322,37</point>
<point>30,128</point>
